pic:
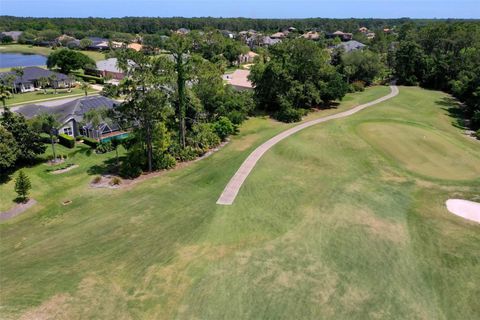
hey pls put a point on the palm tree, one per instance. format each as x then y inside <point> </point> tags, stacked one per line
<point>71,78</point>
<point>53,80</point>
<point>4,94</point>
<point>9,82</point>
<point>19,73</point>
<point>43,82</point>
<point>85,86</point>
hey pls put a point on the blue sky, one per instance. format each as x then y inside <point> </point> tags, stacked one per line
<point>244,8</point>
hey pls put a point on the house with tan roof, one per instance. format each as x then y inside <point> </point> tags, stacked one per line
<point>239,80</point>
<point>312,35</point>
<point>135,46</point>
<point>248,57</point>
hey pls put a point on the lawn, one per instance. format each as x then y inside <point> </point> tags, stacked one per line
<point>330,224</point>
<point>26,97</point>
<point>45,51</point>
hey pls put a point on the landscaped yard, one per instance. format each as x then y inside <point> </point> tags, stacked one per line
<point>45,51</point>
<point>342,220</point>
<point>21,98</point>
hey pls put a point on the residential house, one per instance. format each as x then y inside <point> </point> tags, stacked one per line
<point>183,31</point>
<point>98,44</point>
<point>268,41</point>
<point>135,46</point>
<point>109,69</point>
<point>363,30</point>
<point>239,80</point>
<point>312,35</point>
<point>279,35</point>
<point>370,35</point>
<point>70,115</point>
<point>248,57</point>
<point>227,34</point>
<point>340,34</point>
<point>351,45</point>
<point>29,81</point>
<point>12,34</point>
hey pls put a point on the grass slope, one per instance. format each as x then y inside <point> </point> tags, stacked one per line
<point>327,226</point>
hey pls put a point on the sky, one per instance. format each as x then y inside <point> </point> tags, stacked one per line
<point>244,8</point>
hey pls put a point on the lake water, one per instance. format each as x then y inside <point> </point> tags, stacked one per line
<point>9,60</point>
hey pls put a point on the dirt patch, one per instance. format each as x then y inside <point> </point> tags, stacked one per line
<point>17,210</point>
<point>64,170</point>
<point>50,309</point>
<point>380,227</point>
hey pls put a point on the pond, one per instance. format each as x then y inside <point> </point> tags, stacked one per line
<point>9,60</point>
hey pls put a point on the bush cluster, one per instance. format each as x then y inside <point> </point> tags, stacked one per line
<point>104,147</point>
<point>88,78</point>
<point>358,86</point>
<point>66,140</point>
<point>91,142</point>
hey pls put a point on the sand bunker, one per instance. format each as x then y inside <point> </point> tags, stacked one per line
<point>463,208</point>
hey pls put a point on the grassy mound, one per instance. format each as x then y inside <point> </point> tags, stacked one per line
<point>423,150</point>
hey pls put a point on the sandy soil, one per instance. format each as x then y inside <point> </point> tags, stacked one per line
<point>65,170</point>
<point>463,208</point>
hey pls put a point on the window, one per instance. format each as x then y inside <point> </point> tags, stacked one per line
<point>68,131</point>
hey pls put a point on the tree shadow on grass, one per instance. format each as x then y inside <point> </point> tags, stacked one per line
<point>82,149</point>
<point>108,166</point>
<point>454,110</point>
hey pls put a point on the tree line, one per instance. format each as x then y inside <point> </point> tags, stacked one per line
<point>444,57</point>
<point>135,25</point>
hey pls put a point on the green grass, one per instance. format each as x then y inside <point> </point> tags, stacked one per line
<point>425,151</point>
<point>44,51</point>
<point>328,225</point>
<point>26,97</point>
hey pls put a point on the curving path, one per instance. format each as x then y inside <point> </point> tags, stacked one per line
<point>233,187</point>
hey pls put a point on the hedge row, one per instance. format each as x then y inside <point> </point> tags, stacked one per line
<point>88,78</point>
<point>90,142</point>
<point>66,140</point>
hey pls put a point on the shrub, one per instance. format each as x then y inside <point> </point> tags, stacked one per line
<point>204,137</point>
<point>115,181</point>
<point>97,179</point>
<point>90,142</point>
<point>79,138</point>
<point>187,154</point>
<point>237,117</point>
<point>45,138</point>
<point>104,147</point>
<point>88,78</point>
<point>289,115</point>
<point>66,140</point>
<point>224,127</point>
<point>22,186</point>
<point>134,162</point>
<point>358,86</point>
<point>164,161</point>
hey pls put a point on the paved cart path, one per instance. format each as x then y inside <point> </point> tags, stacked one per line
<point>233,187</point>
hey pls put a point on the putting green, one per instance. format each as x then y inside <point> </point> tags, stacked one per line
<point>423,151</point>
